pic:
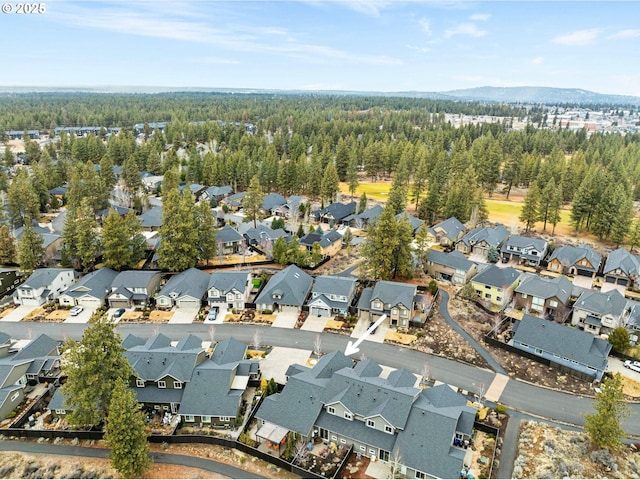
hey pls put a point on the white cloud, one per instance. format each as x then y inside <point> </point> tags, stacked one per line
<point>425,24</point>
<point>577,38</point>
<point>215,61</point>
<point>371,8</point>
<point>469,29</point>
<point>537,60</point>
<point>628,33</point>
<point>480,17</point>
<point>419,49</point>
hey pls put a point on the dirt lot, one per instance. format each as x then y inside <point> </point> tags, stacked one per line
<point>21,465</point>
<point>549,452</point>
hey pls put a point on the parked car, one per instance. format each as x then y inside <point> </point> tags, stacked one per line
<point>632,365</point>
<point>213,314</point>
<point>118,313</point>
<point>76,310</point>
<point>371,324</point>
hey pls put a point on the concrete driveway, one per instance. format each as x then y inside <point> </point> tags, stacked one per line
<point>286,320</point>
<point>18,314</point>
<point>277,362</point>
<point>616,365</point>
<point>315,323</point>
<point>478,258</point>
<point>582,281</point>
<point>184,315</point>
<point>363,325</point>
<point>82,317</point>
<point>219,318</point>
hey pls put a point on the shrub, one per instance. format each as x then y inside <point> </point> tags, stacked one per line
<point>501,409</point>
<point>267,312</point>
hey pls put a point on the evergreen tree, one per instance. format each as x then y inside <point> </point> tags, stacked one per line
<point>178,248</point>
<point>8,252</point>
<point>623,218</point>
<point>634,235</point>
<point>22,198</point>
<point>86,236</point>
<point>137,242</point>
<point>420,181</point>
<point>280,250</point>
<point>30,249</point>
<point>316,253</point>
<point>397,196</point>
<point>116,242</point>
<point>548,198</point>
<point>94,366</point>
<point>403,249</point>
<point>604,427</point>
<point>252,201</point>
<point>330,183</point>
<point>206,232</point>
<point>492,254</point>
<point>362,203</point>
<point>126,433</point>
<point>620,340</point>
<point>315,176</point>
<point>422,247</point>
<point>352,176</point>
<point>529,213</point>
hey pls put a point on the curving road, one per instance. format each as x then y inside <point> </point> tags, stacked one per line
<point>549,404</point>
<point>169,458</point>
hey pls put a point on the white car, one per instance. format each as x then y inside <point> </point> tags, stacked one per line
<point>632,365</point>
<point>76,310</point>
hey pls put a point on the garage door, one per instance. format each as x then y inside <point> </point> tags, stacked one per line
<point>585,273</point>
<point>623,281</point>
<point>288,308</point>
<point>195,304</point>
<point>610,279</point>
<point>119,303</point>
<point>89,302</point>
<point>322,312</point>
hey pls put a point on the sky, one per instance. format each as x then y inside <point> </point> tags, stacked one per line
<point>357,45</point>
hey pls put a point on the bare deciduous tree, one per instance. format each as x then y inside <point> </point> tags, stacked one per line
<point>395,464</point>
<point>257,339</point>
<point>426,373</point>
<point>212,333</point>
<point>317,345</point>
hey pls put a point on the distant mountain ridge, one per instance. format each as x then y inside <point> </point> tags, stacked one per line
<point>546,95</point>
<point>528,95</point>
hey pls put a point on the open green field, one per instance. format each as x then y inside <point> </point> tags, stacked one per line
<point>374,190</point>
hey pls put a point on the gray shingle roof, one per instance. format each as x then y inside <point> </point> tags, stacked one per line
<point>394,293</point>
<point>453,259</point>
<point>493,236</point>
<point>262,232</point>
<point>356,430</point>
<point>134,279</point>
<point>227,351</point>
<point>414,221</point>
<point>41,346</point>
<point>152,218</point>
<point>228,281</point>
<point>273,200</point>
<point>571,255</point>
<point>564,341</point>
<point>228,234</point>
<point>495,276</point>
<point>559,287</point>
<point>4,338</point>
<point>219,191</point>
<point>291,285</point>
<point>325,240</point>
<point>42,277</point>
<point>368,215</point>
<point>97,284</point>
<point>621,258</point>
<point>336,210</point>
<point>601,303</point>
<point>334,284</point>
<point>190,283</point>
<point>538,244</point>
<point>451,226</point>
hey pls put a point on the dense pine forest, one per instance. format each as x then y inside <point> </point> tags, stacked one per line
<point>307,144</point>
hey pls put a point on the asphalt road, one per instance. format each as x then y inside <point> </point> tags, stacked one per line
<point>520,396</point>
<point>169,458</point>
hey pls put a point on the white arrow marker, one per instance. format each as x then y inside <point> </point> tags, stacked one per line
<point>352,347</point>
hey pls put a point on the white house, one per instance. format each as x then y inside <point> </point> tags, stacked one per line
<point>44,285</point>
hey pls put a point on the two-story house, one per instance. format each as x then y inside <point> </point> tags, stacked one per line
<point>330,242</point>
<point>229,290</point>
<point>214,395</point>
<point>622,268</point>
<point>452,267</point>
<point>286,291</point>
<point>600,312</point>
<point>570,348</point>
<point>525,249</point>
<point>357,407</point>
<point>216,194</point>
<point>44,285</point>
<point>271,201</point>
<point>10,278</point>
<point>331,295</point>
<point>479,240</point>
<point>91,290</point>
<point>495,285</point>
<point>229,241</point>
<point>184,290</point>
<point>291,209</point>
<point>133,287</point>
<point>547,297</point>
<point>447,232</point>
<point>151,220</point>
<point>582,260</point>
<point>362,220</point>
<point>161,370</point>
<point>396,300</point>
<point>334,213</point>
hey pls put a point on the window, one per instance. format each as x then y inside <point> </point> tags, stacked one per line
<point>342,440</point>
<point>377,305</point>
<point>498,299</point>
<point>371,423</point>
<point>524,295</point>
<point>206,419</point>
<point>139,382</point>
<point>404,312</point>
<point>363,448</point>
<point>394,311</point>
<point>553,303</point>
<point>331,410</point>
<point>420,475</point>
<point>334,438</point>
<point>487,295</point>
<point>60,411</point>
<point>162,384</point>
<point>15,396</point>
<point>189,418</point>
<point>348,416</point>
<point>388,428</point>
<point>177,385</point>
<point>538,351</point>
<point>165,408</point>
<point>156,407</point>
<point>225,419</point>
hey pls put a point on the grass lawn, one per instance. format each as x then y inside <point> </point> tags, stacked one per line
<point>374,190</point>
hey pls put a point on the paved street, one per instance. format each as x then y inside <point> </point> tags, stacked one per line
<point>562,407</point>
